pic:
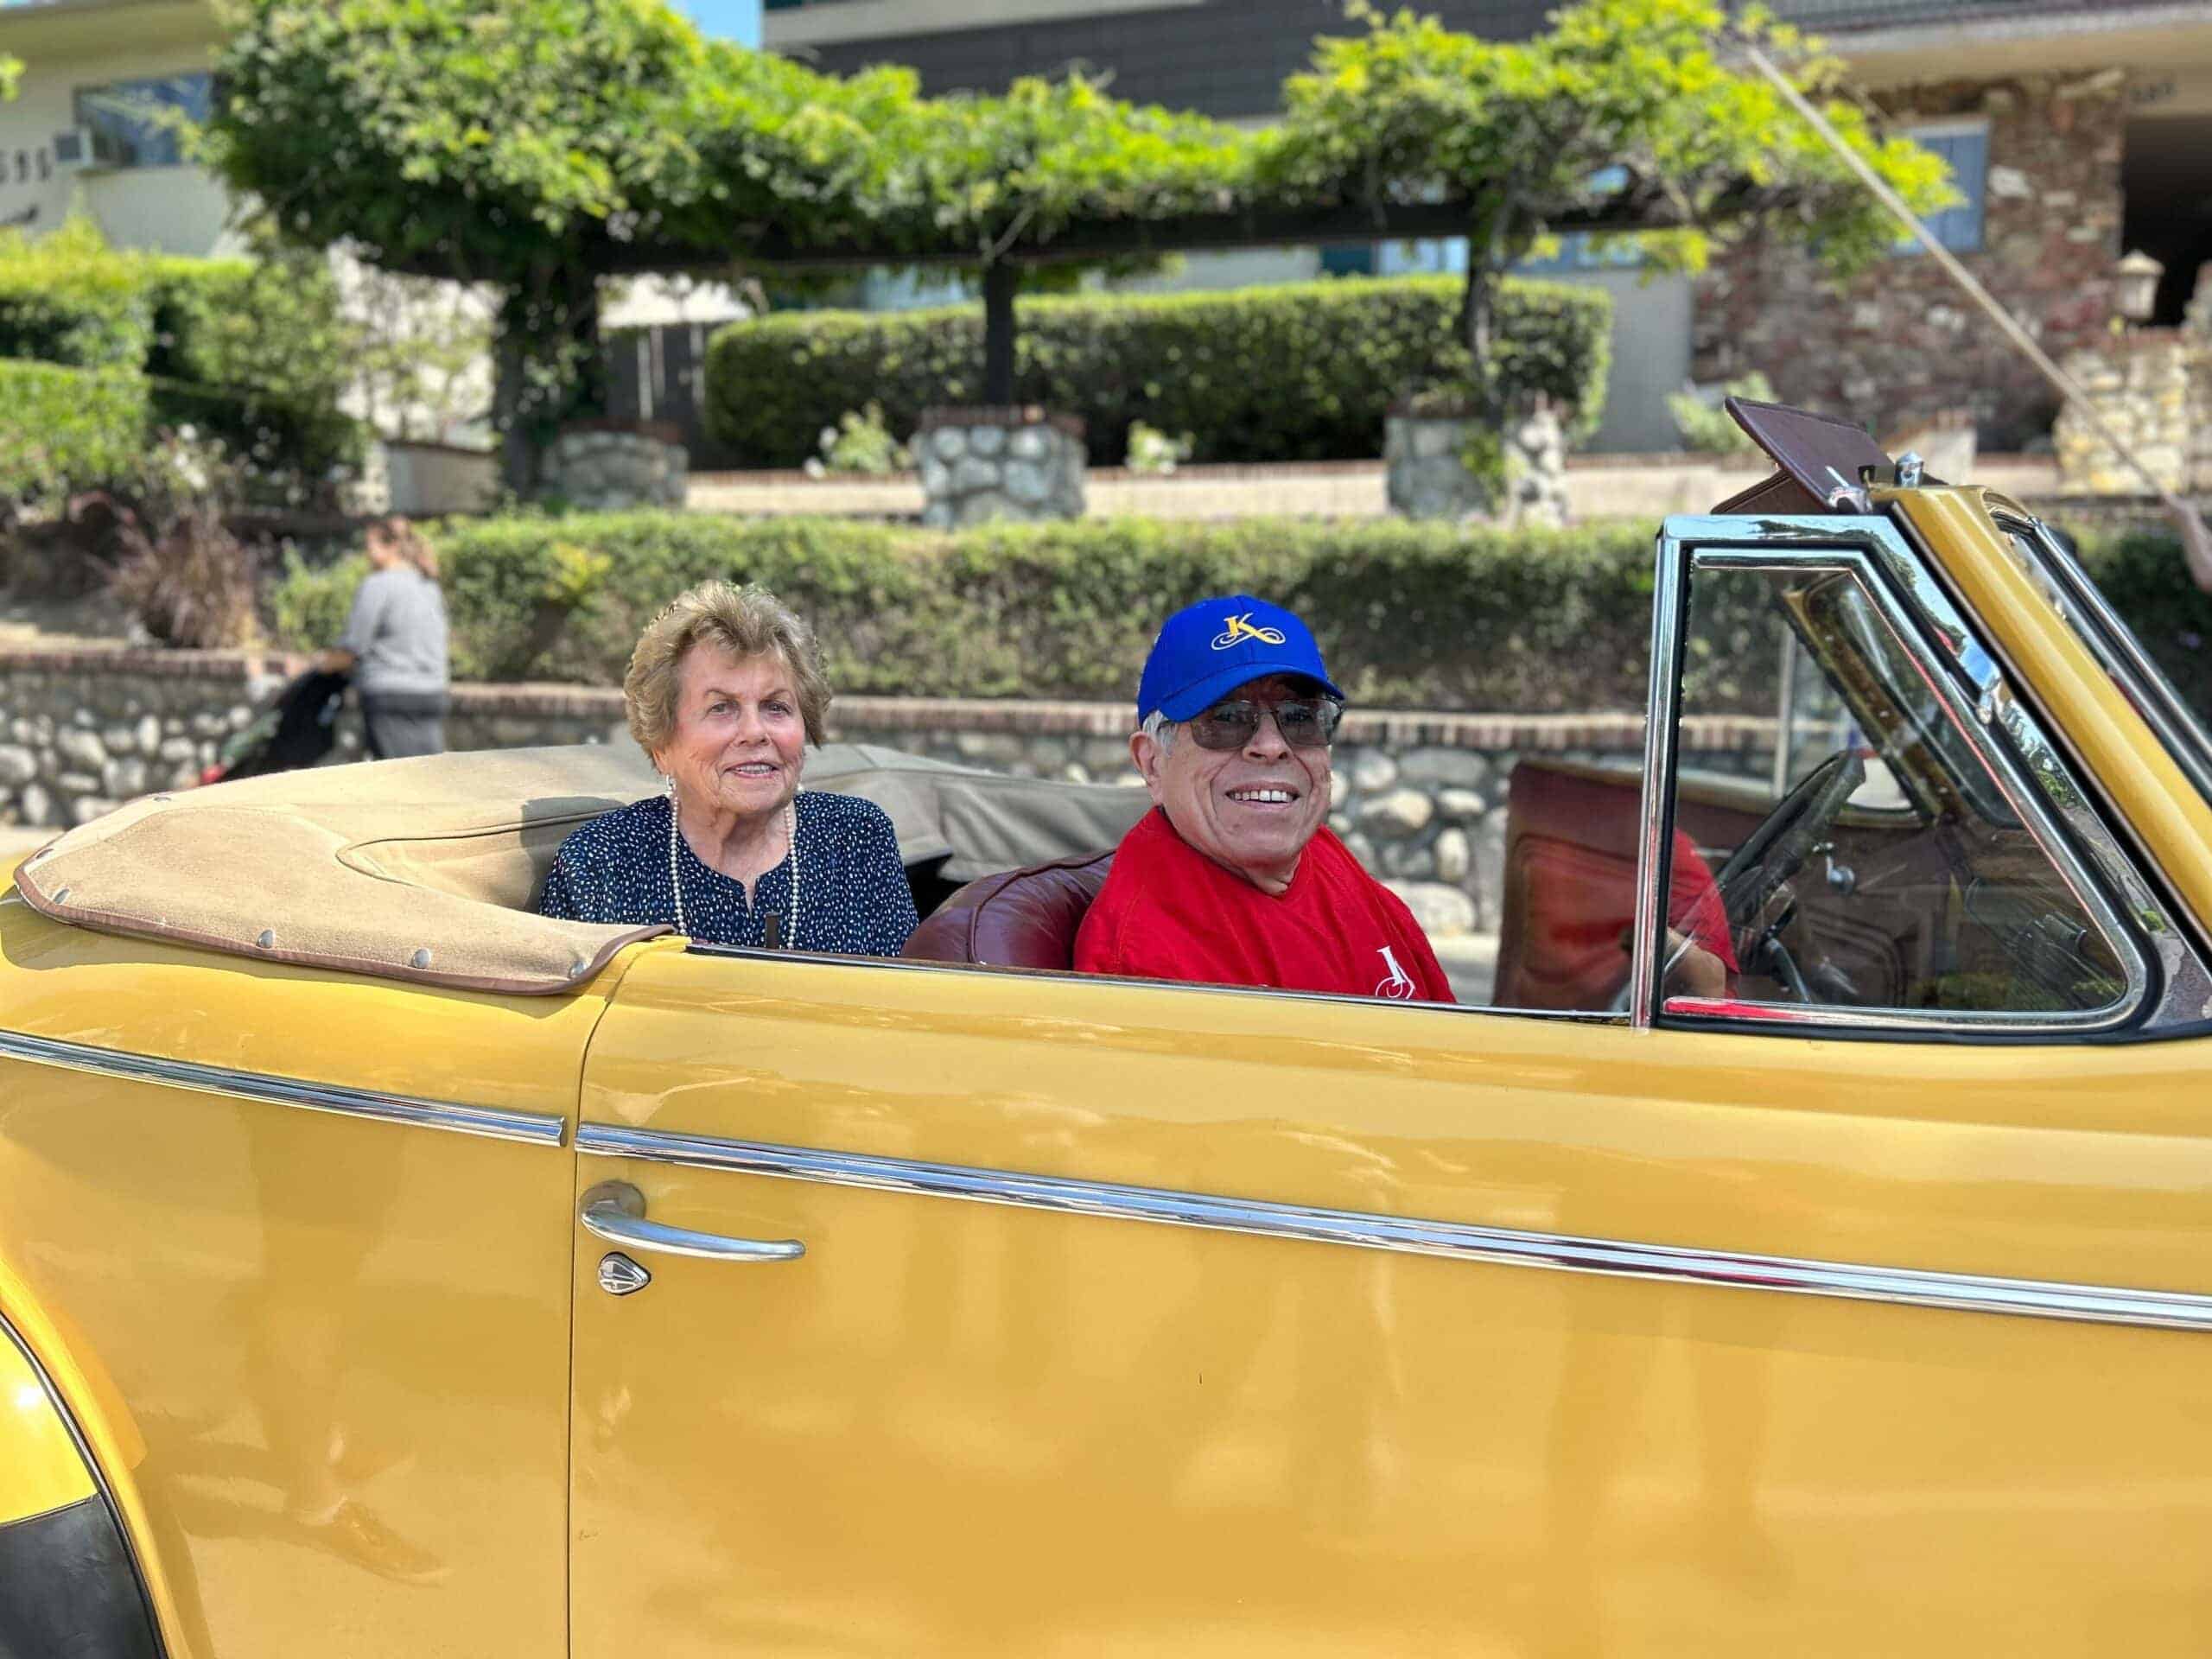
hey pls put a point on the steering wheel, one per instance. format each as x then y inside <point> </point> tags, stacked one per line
<point>1778,849</point>
<point>1775,852</point>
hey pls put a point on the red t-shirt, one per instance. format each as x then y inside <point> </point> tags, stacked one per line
<point>1693,907</point>
<point>1168,911</point>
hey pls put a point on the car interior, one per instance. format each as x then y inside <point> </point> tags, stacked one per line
<point>1867,849</point>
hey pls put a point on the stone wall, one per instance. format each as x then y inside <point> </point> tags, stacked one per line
<point>1900,344</point>
<point>81,732</point>
<point>606,470</point>
<point>980,464</point>
<point>2151,386</point>
<point>1428,476</point>
<point>1419,797</point>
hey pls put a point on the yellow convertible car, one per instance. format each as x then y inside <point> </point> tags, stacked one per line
<point>385,1270</point>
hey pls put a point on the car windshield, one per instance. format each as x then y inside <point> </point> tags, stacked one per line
<point>1889,862</point>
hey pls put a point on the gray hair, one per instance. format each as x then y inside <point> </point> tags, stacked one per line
<point>1160,729</point>
<point>745,622</point>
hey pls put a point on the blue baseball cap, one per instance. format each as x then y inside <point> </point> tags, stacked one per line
<point>1207,649</point>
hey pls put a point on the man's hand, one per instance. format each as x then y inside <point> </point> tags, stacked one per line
<point>1692,970</point>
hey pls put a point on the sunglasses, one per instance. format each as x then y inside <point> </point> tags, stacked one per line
<point>1305,723</point>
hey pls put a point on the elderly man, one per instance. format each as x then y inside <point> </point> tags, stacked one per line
<point>1234,878</point>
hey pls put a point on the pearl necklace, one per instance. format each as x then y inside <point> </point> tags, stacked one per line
<point>791,852</point>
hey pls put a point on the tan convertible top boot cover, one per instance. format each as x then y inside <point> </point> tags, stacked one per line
<point>421,870</point>
<point>428,870</point>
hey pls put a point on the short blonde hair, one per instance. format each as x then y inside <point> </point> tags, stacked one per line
<point>746,622</point>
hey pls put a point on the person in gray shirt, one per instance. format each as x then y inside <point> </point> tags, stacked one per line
<point>395,644</point>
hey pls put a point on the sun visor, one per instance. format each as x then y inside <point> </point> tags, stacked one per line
<point>1823,462</point>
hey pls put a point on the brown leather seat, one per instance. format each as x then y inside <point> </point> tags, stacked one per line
<point>1019,918</point>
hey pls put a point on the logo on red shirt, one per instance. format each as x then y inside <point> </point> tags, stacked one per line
<point>1396,984</point>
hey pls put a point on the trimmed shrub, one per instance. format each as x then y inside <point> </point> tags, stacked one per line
<point>1411,614</point>
<point>1298,372</point>
<point>256,352</point>
<point>70,298</point>
<point>250,352</point>
<point>1428,616</point>
<point>64,429</point>
<point>306,608</point>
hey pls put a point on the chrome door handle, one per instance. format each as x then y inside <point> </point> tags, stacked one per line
<point>607,1219</point>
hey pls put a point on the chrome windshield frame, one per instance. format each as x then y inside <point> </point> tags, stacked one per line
<point>2118,650</point>
<point>2038,781</point>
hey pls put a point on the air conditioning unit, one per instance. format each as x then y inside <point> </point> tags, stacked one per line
<point>79,148</point>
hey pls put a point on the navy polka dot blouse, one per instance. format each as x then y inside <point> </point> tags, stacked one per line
<point>854,899</point>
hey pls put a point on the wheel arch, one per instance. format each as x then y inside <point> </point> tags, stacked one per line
<point>78,1549</point>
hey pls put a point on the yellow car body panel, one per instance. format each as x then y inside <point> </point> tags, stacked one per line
<point>41,1468</point>
<point>2173,819</point>
<point>344,1341</point>
<point>965,1428</point>
<point>366,1387</point>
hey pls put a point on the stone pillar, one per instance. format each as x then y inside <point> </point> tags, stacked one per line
<point>615,467</point>
<point>2147,385</point>
<point>1013,461</point>
<point>1424,458</point>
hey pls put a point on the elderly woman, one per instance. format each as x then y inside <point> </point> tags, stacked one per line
<point>724,692</point>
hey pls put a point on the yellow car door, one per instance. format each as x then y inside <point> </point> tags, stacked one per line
<point>1003,1403</point>
<point>928,1310</point>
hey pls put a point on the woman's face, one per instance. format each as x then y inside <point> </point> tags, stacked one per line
<point>383,551</point>
<point>738,738</point>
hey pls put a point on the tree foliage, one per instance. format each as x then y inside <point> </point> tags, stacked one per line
<point>540,144</point>
<point>1629,103</point>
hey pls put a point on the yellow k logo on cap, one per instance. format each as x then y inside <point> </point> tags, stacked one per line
<point>1237,629</point>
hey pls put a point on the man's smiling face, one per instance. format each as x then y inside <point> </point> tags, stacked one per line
<point>1250,808</point>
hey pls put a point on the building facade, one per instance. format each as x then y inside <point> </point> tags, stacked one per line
<point>2077,132</point>
<point>94,131</point>
<point>91,129</point>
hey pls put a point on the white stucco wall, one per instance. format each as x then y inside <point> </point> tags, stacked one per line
<point>177,209</point>
<point>1651,358</point>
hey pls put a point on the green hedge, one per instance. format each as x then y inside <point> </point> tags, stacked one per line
<point>63,429</point>
<point>2142,572</point>
<point>255,352</point>
<point>245,351</point>
<point>70,298</point>
<point>1410,615</point>
<point>1298,372</point>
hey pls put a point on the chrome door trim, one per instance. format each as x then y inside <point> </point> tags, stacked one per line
<point>1462,1241</point>
<point>536,1129</point>
<point>1656,807</point>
